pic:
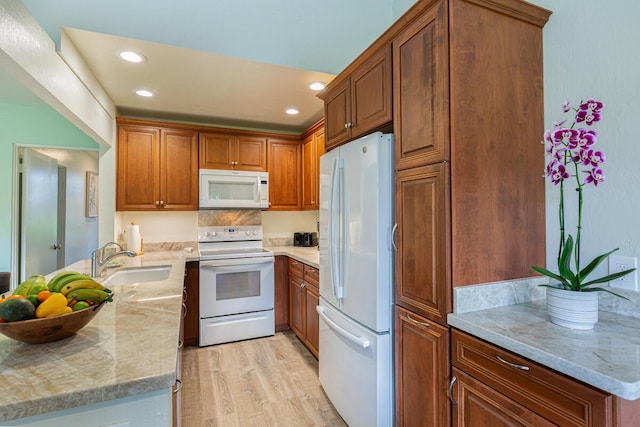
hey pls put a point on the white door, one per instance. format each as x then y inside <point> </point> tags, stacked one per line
<point>39,214</point>
<point>368,213</point>
<point>328,177</point>
<point>355,369</point>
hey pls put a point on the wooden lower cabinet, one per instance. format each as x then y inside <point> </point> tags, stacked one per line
<point>281,293</point>
<point>191,302</point>
<point>495,387</point>
<point>421,371</point>
<point>304,296</point>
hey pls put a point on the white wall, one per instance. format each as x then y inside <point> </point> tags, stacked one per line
<point>590,50</point>
<point>282,224</point>
<point>81,233</point>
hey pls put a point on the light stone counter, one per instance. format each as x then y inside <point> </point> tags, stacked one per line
<point>307,255</point>
<point>129,349</point>
<point>607,357</point>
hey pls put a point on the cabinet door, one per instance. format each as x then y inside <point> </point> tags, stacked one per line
<point>138,162</point>
<point>421,371</point>
<point>296,306</point>
<point>312,319</point>
<point>179,170</point>
<point>531,385</point>
<point>284,175</point>
<point>422,261</point>
<point>309,171</point>
<point>337,115</point>
<point>191,298</point>
<point>421,90</point>
<point>371,94</point>
<point>281,293</point>
<point>480,406</point>
<point>251,154</point>
<point>217,150</point>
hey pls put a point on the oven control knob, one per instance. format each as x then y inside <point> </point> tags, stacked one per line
<point>255,232</point>
<point>248,233</point>
<point>213,234</point>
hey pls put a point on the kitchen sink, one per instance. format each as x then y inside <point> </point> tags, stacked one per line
<point>130,275</point>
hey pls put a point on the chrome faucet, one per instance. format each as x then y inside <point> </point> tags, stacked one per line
<point>98,260</point>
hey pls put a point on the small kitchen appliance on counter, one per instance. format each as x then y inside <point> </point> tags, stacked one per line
<point>305,239</point>
<point>236,284</point>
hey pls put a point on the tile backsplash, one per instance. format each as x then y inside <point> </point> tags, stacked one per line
<point>229,217</point>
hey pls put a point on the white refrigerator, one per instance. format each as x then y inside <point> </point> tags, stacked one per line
<point>356,220</point>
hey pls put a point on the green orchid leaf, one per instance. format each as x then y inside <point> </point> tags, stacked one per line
<point>564,264</point>
<point>596,262</point>
<point>608,277</point>
<point>545,272</point>
<point>605,290</point>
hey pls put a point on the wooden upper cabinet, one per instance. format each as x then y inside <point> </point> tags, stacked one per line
<point>178,169</point>
<point>285,158</point>
<point>362,103</point>
<point>421,90</point>
<point>337,114</point>
<point>229,151</point>
<point>157,168</point>
<point>312,149</point>
<point>423,282</point>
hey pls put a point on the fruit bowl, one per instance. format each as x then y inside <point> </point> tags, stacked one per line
<point>49,329</point>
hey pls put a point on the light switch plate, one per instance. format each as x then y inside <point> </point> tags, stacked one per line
<point>620,263</point>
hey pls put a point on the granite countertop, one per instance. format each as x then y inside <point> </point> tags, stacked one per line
<point>307,255</point>
<point>607,357</point>
<point>128,349</point>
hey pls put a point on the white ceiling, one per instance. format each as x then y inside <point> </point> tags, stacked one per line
<point>204,87</point>
<point>223,62</point>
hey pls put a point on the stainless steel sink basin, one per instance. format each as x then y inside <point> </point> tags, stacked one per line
<point>131,275</point>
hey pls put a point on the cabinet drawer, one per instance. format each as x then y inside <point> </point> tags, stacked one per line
<point>559,399</point>
<point>311,275</point>
<point>296,268</point>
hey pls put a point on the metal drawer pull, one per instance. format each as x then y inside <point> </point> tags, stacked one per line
<point>513,365</point>
<point>178,386</point>
<point>425,324</point>
<point>393,237</point>
<point>453,380</point>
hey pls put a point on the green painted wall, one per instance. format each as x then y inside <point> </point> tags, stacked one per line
<point>30,126</point>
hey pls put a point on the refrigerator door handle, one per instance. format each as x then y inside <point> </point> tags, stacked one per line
<point>331,226</point>
<point>394,231</point>
<point>359,341</point>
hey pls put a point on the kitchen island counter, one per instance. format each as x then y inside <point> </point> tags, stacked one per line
<point>129,349</point>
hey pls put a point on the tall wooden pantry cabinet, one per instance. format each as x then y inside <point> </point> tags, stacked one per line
<point>469,205</point>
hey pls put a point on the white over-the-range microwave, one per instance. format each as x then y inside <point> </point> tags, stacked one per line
<point>233,189</point>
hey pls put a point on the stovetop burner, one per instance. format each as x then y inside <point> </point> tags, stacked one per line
<point>220,242</point>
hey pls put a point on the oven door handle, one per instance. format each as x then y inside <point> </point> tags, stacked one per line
<point>235,261</point>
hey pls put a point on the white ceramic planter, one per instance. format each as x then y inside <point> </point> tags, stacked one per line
<point>574,310</point>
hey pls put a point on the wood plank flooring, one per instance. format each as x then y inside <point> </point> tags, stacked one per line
<point>266,382</point>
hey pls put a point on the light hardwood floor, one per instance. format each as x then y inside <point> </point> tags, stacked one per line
<point>267,382</point>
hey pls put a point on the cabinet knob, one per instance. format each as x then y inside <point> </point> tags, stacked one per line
<point>348,125</point>
<point>161,203</point>
<point>157,203</point>
<point>234,163</point>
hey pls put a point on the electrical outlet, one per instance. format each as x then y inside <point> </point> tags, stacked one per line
<point>619,263</point>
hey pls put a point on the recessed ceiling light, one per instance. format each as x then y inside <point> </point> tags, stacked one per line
<point>317,86</point>
<point>291,111</point>
<point>145,93</point>
<point>132,56</point>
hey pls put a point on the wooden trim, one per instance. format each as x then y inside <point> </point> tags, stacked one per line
<point>312,129</point>
<point>202,128</point>
<point>517,9</point>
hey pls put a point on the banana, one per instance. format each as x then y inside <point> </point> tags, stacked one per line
<point>68,279</point>
<point>95,295</point>
<point>55,279</point>
<point>81,284</point>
